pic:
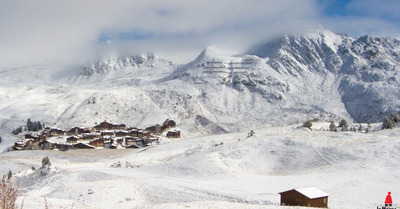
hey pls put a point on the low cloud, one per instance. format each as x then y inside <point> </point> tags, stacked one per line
<point>76,32</point>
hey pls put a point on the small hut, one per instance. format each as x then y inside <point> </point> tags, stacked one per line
<point>309,197</point>
<point>174,134</point>
<point>99,142</point>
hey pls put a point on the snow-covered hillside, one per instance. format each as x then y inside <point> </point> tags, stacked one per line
<point>318,75</point>
<point>220,171</point>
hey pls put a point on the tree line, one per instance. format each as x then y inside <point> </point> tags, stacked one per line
<point>388,123</point>
<point>30,126</point>
<point>342,126</point>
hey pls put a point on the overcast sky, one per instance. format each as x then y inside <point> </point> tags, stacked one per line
<point>77,31</point>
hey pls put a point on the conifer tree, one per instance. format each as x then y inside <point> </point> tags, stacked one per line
<point>332,126</point>
<point>307,124</point>
<point>360,128</point>
<point>342,123</point>
<point>387,124</point>
<point>395,118</point>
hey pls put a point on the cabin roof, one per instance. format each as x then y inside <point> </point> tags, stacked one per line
<point>310,192</point>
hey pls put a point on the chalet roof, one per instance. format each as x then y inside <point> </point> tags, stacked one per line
<point>133,146</point>
<point>131,138</point>
<point>57,129</point>
<point>115,124</point>
<point>168,120</point>
<point>84,144</point>
<point>310,192</point>
<point>98,139</point>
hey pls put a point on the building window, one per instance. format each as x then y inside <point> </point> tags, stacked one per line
<point>324,200</point>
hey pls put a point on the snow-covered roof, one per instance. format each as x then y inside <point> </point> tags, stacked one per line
<point>312,192</point>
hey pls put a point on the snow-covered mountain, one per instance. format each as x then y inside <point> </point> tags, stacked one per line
<point>318,75</point>
<point>366,69</point>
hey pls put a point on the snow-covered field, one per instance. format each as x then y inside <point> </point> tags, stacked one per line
<point>217,171</point>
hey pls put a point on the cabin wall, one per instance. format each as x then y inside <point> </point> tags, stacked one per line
<point>294,198</point>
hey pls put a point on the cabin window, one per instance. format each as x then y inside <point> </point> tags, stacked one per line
<point>324,200</point>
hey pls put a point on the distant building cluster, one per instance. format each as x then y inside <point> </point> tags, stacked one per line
<point>104,135</point>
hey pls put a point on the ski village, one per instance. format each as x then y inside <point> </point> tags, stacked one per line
<point>104,135</point>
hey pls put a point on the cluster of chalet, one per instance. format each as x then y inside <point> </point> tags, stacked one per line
<point>104,135</point>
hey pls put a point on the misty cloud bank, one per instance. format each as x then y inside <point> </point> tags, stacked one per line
<point>74,32</point>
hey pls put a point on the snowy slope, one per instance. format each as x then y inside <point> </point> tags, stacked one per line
<point>355,169</point>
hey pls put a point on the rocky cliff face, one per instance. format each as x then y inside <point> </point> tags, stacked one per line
<point>123,63</point>
<point>366,68</point>
<point>320,71</point>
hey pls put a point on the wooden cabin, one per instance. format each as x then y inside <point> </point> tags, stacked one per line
<point>78,131</point>
<point>133,133</point>
<point>118,126</point>
<point>168,124</point>
<point>97,142</point>
<point>140,133</point>
<point>174,134</point>
<point>157,129</point>
<point>46,145</point>
<point>56,132</point>
<point>110,126</point>
<point>42,137</point>
<point>121,133</point>
<point>103,126</point>
<point>107,133</point>
<point>63,146</point>
<point>146,134</point>
<point>149,140</point>
<point>30,136</point>
<point>81,145</point>
<point>91,136</point>
<point>130,140</point>
<point>29,144</point>
<point>308,197</point>
<point>72,139</point>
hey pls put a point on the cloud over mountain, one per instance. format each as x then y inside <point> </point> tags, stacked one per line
<point>74,31</point>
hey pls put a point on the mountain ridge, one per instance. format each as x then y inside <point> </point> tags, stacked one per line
<point>319,75</point>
